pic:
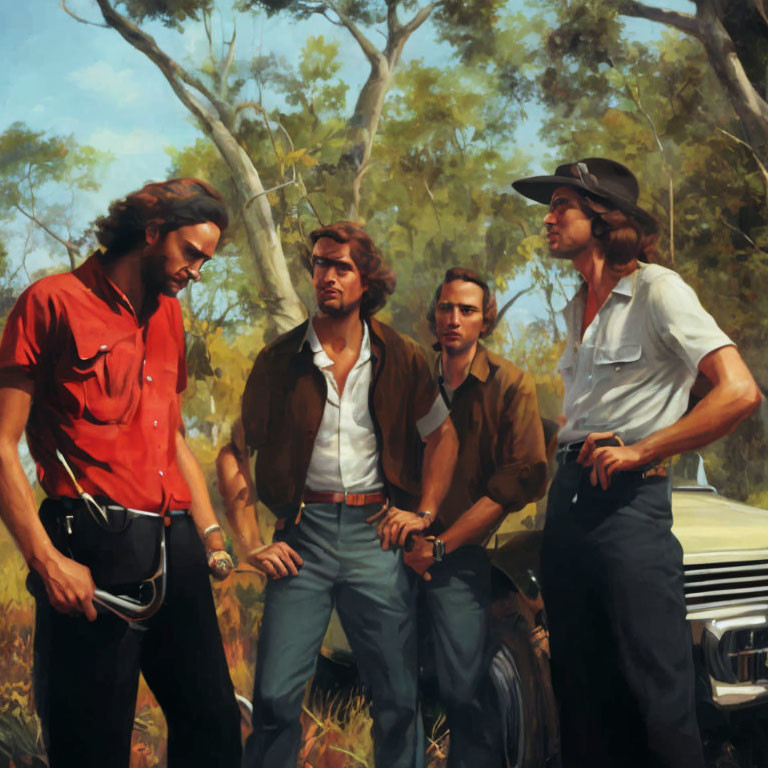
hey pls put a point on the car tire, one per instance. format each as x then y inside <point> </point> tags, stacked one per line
<point>519,674</point>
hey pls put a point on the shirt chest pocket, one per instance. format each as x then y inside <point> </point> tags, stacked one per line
<point>622,361</point>
<point>107,373</point>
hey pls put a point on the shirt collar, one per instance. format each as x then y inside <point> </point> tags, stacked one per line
<point>92,275</point>
<point>479,368</point>
<point>625,287</point>
<point>321,358</point>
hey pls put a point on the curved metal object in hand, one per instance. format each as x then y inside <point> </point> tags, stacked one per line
<point>130,608</point>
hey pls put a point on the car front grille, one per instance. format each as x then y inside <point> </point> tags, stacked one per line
<point>723,584</point>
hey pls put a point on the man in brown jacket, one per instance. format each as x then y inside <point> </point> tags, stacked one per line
<point>501,468</point>
<point>335,410</point>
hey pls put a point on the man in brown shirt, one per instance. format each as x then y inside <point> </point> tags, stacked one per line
<point>501,468</point>
<point>336,410</point>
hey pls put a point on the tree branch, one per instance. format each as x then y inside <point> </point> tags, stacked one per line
<point>760,165</point>
<point>420,17</point>
<point>371,52</point>
<point>78,18</point>
<point>174,73</point>
<point>508,304</point>
<point>227,66</point>
<point>685,22</point>
<point>72,250</point>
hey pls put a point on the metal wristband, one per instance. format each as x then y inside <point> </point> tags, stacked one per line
<point>211,529</point>
<point>438,550</point>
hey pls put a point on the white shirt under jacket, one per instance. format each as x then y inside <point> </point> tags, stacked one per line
<point>345,456</point>
<point>633,371</point>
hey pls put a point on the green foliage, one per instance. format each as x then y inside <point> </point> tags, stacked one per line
<point>660,109</point>
<point>173,13</point>
<point>38,176</point>
<point>29,160</point>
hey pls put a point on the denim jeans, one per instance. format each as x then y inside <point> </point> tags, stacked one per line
<point>374,595</point>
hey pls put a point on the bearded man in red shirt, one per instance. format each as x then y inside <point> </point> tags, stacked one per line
<point>92,363</point>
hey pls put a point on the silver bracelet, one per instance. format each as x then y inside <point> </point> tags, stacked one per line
<point>211,529</point>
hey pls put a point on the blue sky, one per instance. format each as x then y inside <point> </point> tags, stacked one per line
<point>62,77</point>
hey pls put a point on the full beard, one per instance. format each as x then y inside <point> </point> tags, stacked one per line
<point>153,274</point>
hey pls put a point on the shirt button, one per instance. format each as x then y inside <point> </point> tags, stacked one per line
<point>160,472</point>
<point>618,368</point>
<point>154,423</point>
<point>149,378</point>
<point>103,347</point>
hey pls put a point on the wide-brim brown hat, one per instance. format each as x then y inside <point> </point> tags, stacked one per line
<point>606,180</point>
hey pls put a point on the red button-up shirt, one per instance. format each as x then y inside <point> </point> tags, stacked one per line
<point>106,388</point>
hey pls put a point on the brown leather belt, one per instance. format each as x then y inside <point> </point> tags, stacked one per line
<point>351,499</point>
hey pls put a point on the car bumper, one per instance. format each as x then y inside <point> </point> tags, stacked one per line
<point>733,642</point>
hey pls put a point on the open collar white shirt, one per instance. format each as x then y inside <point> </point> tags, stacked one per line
<point>345,456</point>
<point>633,371</point>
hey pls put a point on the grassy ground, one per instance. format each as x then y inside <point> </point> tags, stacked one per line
<point>337,734</point>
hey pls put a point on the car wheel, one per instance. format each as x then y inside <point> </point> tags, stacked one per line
<point>526,710</point>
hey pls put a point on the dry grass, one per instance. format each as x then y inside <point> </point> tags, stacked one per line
<point>337,733</point>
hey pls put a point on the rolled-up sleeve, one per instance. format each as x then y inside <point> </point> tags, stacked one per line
<point>685,327</point>
<point>521,469</point>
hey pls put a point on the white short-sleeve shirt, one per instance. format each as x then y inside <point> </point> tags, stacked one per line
<point>633,371</point>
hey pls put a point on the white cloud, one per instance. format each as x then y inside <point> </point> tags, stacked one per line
<point>118,86</point>
<point>136,142</point>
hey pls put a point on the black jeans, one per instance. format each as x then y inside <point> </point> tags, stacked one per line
<point>87,673</point>
<point>622,666</point>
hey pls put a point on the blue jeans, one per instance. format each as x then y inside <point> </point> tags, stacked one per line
<point>344,566</point>
<point>458,598</point>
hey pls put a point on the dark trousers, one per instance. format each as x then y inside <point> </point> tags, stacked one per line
<point>87,673</point>
<point>458,600</point>
<point>622,664</point>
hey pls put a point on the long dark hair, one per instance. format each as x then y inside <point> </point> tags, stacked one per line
<point>167,204</point>
<point>379,279</point>
<point>622,237</point>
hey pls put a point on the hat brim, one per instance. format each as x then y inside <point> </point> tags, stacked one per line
<point>541,189</point>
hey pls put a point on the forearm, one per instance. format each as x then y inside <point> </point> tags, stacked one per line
<point>475,525</point>
<point>440,453</point>
<point>239,498</point>
<point>716,415</point>
<point>200,509</point>
<point>18,512</point>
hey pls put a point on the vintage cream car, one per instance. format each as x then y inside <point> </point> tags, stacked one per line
<point>725,545</point>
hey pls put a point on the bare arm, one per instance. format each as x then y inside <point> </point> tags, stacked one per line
<point>733,396</point>
<point>69,584</point>
<point>440,454</point>
<point>201,508</point>
<point>236,488</point>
